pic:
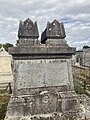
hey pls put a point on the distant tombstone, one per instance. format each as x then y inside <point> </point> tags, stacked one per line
<point>6,76</point>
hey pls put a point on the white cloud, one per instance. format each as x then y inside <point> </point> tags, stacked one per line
<point>74,13</point>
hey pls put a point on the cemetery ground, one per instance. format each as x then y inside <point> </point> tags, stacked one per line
<point>79,74</point>
<point>4,99</point>
<point>81,78</point>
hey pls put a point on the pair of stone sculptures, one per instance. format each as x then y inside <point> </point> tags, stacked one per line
<point>29,30</point>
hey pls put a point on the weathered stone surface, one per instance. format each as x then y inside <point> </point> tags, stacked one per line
<point>28,29</point>
<point>47,71</point>
<point>27,33</point>
<point>27,42</point>
<point>54,30</point>
<point>43,102</point>
<point>84,106</point>
<point>50,116</point>
<point>41,52</point>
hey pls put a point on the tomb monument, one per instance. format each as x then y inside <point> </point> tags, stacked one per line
<point>43,82</point>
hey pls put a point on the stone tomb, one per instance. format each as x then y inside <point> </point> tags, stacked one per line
<point>43,83</point>
<point>6,76</point>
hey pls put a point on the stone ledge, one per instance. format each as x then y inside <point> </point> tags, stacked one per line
<point>50,116</point>
<point>41,50</point>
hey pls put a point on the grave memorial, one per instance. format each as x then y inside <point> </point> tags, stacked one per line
<point>6,76</point>
<point>43,82</point>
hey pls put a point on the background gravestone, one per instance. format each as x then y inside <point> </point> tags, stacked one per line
<point>6,76</point>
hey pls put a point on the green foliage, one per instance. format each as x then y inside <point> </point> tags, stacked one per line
<point>78,87</point>
<point>4,99</point>
<point>85,46</point>
<point>7,45</point>
<point>0,45</point>
<point>79,75</point>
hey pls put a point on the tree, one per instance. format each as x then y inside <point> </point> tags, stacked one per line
<point>7,45</point>
<point>85,46</point>
<point>0,45</point>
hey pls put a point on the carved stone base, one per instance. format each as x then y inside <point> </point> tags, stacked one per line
<point>50,116</point>
<point>43,104</point>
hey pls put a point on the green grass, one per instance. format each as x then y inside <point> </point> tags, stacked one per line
<point>4,99</point>
<point>78,75</point>
<point>79,88</point>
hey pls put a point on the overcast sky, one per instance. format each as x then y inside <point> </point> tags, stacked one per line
<point>75,14</point>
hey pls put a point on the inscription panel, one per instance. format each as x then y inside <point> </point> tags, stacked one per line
<point>41,73</point>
